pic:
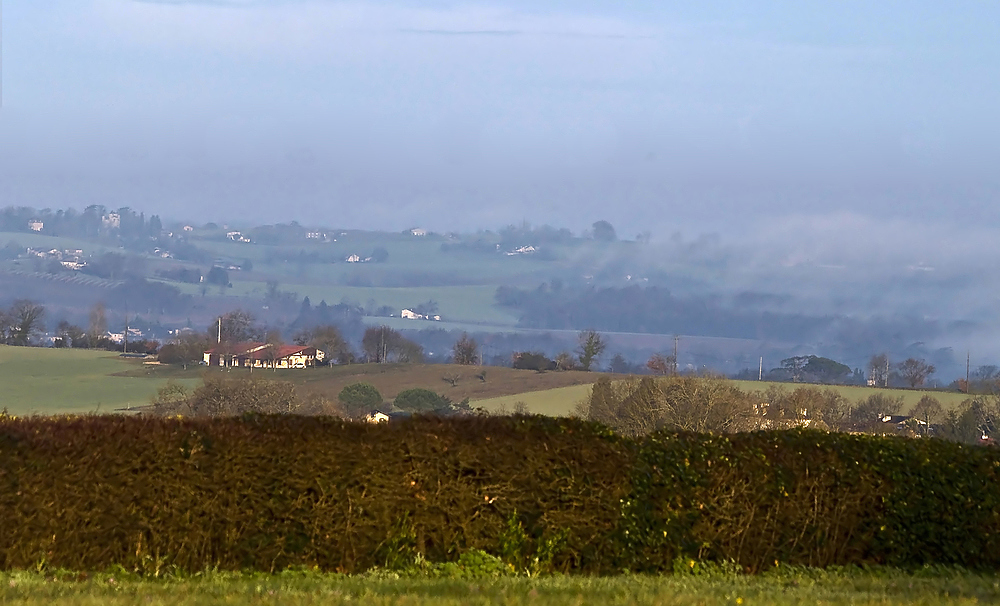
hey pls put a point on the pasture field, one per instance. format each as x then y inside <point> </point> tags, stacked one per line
<point>38,380</point>
<point>557,402</point>
<point>949,399</point>
<point>800,586</point>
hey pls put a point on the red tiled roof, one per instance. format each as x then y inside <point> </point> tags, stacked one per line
<point>235,349</point>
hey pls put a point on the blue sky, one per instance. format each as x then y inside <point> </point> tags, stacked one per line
<point>714,116</point>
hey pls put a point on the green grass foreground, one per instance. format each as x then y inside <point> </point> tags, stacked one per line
<point>781,586</point>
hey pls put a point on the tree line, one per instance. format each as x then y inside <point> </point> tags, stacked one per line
<point>637,406</point>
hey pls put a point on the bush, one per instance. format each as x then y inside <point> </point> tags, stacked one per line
<point>220,396</point>
<point>529,360</point>
<point>359,399</point>
<point>420,400</point>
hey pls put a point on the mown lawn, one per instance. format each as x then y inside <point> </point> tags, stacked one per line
<point>38,380</point>
<point>789,587</point>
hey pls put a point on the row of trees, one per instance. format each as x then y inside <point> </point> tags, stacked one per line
<point>590,347</point>
<point>220,396</point>
<point>912,372</point>
<point>710,405</point>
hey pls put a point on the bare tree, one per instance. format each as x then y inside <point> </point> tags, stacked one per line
<point>637,406</point>
<point>98,323</point>
<point>272,353</point>
<point>382,344</point>
<point>465,351</point>
<point>928,410</point>
<point>330,340</point>
<point>565,361</point>
<point>878,370</point>
<point>25,321</point>
<point>237,326</point>
<point>867,415</point>
<point>915,371</point>
<point>5,325</point>
<point>591,346</point>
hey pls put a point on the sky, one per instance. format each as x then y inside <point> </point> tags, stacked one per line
<point>818,122</point>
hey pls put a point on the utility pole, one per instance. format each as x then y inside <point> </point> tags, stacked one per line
<point>760,372</point>
<point>384,351</point>
<point>125,338</point>
<point>674,369</point>
<point>887,371</point>
<point>968,357</point>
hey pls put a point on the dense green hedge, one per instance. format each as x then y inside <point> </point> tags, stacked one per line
<point>813,498</point>
<point>270,492</point>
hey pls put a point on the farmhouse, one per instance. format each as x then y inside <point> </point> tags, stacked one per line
<point>409,314</point>
<point>36,225</point>
<point>262,355</point>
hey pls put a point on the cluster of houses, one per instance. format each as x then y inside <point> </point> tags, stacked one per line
<point>70,258</point>
<point>262,355</point>
<point>134,334</point>
<point>236,236</point>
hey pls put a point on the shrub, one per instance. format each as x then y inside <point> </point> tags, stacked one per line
<point>420,400</point>
<point>359,398</point>
<point>530,360</point>
<point>220,396</point>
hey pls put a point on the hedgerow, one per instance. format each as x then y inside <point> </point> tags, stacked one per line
<point>274,492</point>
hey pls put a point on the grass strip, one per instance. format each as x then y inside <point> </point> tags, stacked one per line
<point>778,586</point>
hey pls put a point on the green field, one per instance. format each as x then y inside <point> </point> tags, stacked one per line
<point>61,381</point>
<point>558,402</point>
<point>833,587</point>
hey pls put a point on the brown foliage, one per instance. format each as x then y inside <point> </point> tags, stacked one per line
<point>222,396</point>
<point>266,493</point>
